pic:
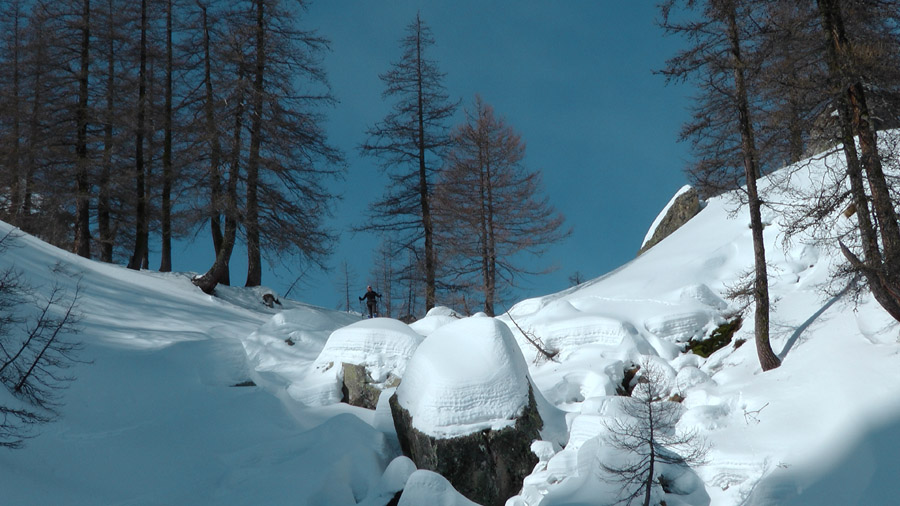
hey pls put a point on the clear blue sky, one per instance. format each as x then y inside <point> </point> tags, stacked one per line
<point>574,77</point>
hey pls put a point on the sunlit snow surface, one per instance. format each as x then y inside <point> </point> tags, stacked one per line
<point>155,418</point>
<point>467,376</point>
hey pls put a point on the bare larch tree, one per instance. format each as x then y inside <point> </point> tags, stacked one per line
<point>715,57</point>
<point>490,207</point>
<point>649,437</point>
<point>410,142</point>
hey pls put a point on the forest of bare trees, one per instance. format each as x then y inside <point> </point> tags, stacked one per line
<point>126,125</point>
<point>780,80</point>
<point>125,119</point>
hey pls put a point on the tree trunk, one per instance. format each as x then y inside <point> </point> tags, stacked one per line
<point>141,229</point>
<point>251,224</point>
<point>424,198</point>
<point>651,458</point>
<point>483,226</point>
<point>767,358</point>
<point>231,203</point>
<point>219,273</point>
<point>219,270</point>
<point>491,245</point>
<point>103,197</point>
<point>15,191</point>
<point>34,136</point>
<point>879,269</point>
<point>882,205</point>
<point>254,264</point>
<point>165,262</point>
<point>212,135</point>
<point>82,180</point>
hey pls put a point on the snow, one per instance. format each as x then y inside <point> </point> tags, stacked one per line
<point>383,345</point>
<point>155,416</point>
<point>466,376</point>
<point>436,318</point>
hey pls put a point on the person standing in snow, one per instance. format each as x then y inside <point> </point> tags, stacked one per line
<point>371,297</point>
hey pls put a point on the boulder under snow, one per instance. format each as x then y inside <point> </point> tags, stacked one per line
<point>466,409</point>
<point>367,356</point>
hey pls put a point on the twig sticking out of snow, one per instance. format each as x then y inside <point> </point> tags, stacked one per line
<point>535,341</point>
<point>753,415</point>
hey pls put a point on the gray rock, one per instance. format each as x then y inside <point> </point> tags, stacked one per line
<point>358,388</point>
<point>685,207</point>
<point>487,466</point>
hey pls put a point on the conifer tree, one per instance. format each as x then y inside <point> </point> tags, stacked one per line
<point>723,126</point>
<point>142,221</point>
<point>280,154</point>
<point>82,177</point>
<point>877,219</point>
<point>649,436</point>
<point>843,68</point>
<point>409,143</point>
<point>489,207</point>
<point>13,19</point>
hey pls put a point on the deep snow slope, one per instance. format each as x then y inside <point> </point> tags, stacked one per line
<point>805,430</point>
<point>155,417</point>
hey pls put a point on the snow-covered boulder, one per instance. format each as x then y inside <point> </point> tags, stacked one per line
<point>382,345</point>
<point>466,409</point>
<point>366,357</point>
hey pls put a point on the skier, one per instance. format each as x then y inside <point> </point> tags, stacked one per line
<point>371,301</point>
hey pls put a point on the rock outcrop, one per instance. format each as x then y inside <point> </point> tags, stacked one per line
<point>359,389</point>
<point>682,208</point>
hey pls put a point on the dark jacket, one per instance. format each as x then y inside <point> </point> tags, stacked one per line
<point>370,296</point>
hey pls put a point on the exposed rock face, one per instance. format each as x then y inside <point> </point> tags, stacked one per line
<point>359,389</point>
<point>683,208</point>
<point>487,466</point>
<point>884,114</point>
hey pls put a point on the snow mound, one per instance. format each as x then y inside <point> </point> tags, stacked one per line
<point>679,327</point>
<point>436,318</point>
<point>426,487</point>
<point>442,311</point>
<point>703,294</point>
<point>589,329</point>
<point>393,480</point>
<point>382,345</point>
<point>291,339</point>
<point>563,327</point>
<point>467,376</point>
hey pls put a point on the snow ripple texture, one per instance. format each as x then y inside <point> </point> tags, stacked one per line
<point>382,345</point>
<point>467,376</point>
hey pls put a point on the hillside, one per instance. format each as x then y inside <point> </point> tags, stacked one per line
<point>156,418</point>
